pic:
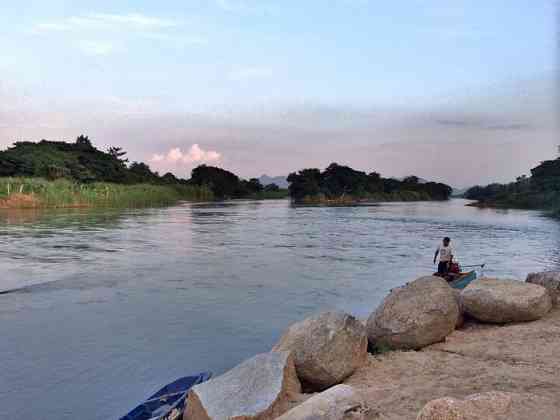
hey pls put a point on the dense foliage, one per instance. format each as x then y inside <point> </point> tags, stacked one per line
<point>342,183</point>
<point>79,161</point>
<point>87,169</point>
<point>540,190</point>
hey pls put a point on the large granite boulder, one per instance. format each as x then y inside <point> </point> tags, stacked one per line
<point>413,316</point>
<point>550,280</point>
<point>491,406</point>
<point>259,388</point>
<point>341,402</point>
<point>327,348</point>
<point>501,301</point>
<point>461,318</point>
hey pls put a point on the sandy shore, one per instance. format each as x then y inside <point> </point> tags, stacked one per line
<point>477,358</point>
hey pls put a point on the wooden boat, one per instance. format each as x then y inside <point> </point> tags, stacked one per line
<point>462,280</point>
<point>169,402</point>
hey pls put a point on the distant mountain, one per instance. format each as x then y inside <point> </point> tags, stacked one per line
<point>278,180</point>
<point>458,192</point>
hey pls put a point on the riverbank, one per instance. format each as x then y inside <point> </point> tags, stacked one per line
<point>477,358</point>
<point>400,196</point>
<point>62,193</point>
<point>488,351</point>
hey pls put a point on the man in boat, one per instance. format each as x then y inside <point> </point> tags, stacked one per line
<point>446,253</point>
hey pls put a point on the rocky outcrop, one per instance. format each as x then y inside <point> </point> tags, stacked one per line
<point>502,301</point>
<point>259,388</point>
<point>461,318</point>
<point>341,402</point>
<point>327,348</point>
<point>415,315</point>
<point>491,406</point>
<point>550,280</point>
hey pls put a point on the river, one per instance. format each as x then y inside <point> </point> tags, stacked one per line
<point>105,306</point>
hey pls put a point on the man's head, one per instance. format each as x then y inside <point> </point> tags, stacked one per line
<point>446,241</point>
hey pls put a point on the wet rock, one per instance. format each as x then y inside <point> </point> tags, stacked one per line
<point>491,406</point>
<point>341,402</point>
<point>327,348</point>
<point>501,301</point>
<point>413,316</point>
<point>259,388</point>
<point>550,280</point>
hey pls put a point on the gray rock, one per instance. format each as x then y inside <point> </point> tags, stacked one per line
<point>413,316</point>
<point>259,388</point>
<point>461,317</point>
<point>501,301</point>
<point>341,402</point>
<point>491,406</point>
<point>327,348</point>
<point>550,280</point>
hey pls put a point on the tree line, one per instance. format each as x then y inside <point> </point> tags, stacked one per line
<point>540,190</point>
<point>342,183</point>
<point>82,162</point>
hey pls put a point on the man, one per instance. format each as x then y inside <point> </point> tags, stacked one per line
<point>445,252</point>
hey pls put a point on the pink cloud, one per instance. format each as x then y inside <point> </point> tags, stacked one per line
<point>194,155</point>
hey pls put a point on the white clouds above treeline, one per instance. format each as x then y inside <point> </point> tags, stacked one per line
<point>175,158</point>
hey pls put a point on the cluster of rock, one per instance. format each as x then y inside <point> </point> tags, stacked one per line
<point>318,354</point>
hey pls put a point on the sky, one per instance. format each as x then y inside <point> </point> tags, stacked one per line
<point>463,92</point>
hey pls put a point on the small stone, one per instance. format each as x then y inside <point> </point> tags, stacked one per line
<point>491,406</point>
<point>340,402</point>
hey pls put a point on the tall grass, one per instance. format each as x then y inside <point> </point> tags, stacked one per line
<point>65,193</point>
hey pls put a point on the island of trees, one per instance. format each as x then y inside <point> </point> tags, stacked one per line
<point>57,173</point>
<point>541,190</point>
<point>342,184</point>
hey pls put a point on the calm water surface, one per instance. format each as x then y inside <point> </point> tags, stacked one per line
<point>109,305</point>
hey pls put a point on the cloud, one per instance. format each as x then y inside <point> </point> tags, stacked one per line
<point>483,124</point>
<point>249,73</point>
<point>105,21</point>
<point>96,48</point>
<point>195,155</point>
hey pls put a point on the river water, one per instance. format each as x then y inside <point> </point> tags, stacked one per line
<point>106,306</point>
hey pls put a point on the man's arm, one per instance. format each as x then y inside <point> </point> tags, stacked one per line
<point>435,255</point>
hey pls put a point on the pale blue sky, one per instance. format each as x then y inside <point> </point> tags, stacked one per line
<point>230,67</point>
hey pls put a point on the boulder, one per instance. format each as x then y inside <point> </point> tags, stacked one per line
<point>327,348</point>
<point>461,317</point>
<point>501,301</point>
<point>259,388</point>
<point>550,280</point>
<point>341,402</point>
<point>491,406</point>
<point>413,316</point>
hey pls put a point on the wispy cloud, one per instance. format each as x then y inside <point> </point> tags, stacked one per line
<point>96,32</point>
<point>194,155</point>
<point>249,73</point>
<point>96,48</point>
<point>106,21</point>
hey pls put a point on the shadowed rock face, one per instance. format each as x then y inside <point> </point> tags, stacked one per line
<point>340,402</point>
<point>491,406</point>
<point>258,388</point>
<point>502,301</point>
<point>327,348</point>
<point>550,280</point>
<point>413,316</point>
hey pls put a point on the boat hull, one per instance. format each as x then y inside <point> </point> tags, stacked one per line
<point>169,402</point>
